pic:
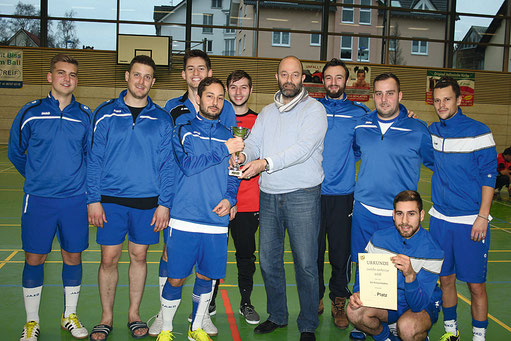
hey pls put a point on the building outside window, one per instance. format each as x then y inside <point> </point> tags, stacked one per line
<point>365,13</point>
<point>216,3</point>
<point>346,48</point>
<point>363,49</point>
<point>315,39</point>
<point>230,47</point>
<point>419,47</point>
<point>347,12</point>
<point>281,39</point>
<point>207,19</point>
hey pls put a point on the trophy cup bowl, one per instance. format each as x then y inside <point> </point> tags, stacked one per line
<point>243,133</point>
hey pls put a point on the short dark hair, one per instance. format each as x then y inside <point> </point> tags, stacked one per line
<point>507,151</point>
<point>385,76</point>
<point>409,196</point>
<point>207,82</point>
<point>143,59</point>
<point>446,81</point>
<point>237,75</point>
<point>196,53</point>
<point>62,57</point>
<point>337,62</point>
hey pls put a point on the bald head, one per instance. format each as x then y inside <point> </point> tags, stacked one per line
<point>290,77</point>
<point>290,61</point>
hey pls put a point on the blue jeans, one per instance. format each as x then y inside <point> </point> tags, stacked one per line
<point>299,213</point>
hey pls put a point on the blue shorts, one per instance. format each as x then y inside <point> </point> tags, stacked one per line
<point>42,218</point>
<point>462,256</point>
<point>124,220</point>
<point>207,251</point>
<point>363,225</point>
<point>432,309</point>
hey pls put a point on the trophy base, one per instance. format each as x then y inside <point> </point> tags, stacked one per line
<point>235,172</point>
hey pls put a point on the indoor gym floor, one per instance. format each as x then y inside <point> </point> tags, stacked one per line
<point>231,326</point>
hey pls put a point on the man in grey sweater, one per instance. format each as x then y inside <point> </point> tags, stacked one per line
<point>286,145</point>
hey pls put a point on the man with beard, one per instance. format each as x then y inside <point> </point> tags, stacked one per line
<point>462,190</point>
<point>129,178</point>
<point>392,147</point>
<point>204,196</point>
<point>286,144</point>
<point>418,260</point>
<point>337,187</point>
<point>196,67</point>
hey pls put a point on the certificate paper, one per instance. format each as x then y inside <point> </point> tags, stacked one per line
<point>378,281</point>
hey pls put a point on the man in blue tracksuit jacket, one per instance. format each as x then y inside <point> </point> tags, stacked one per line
<point>462,191</point>
<point>337,187</point>
<point>392,147</point>
<point>196,67</point>
<point>418,259</point>
<point>47,145</point>
<point>204,196</point>
<point>129,184</point>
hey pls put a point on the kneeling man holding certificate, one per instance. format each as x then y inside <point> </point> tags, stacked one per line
<point>418,259</point>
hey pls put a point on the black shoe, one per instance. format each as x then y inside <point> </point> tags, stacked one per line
<point>267,327</point>
<point>307,336</point>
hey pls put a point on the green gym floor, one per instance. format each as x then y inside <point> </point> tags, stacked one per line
<point>227,319</point>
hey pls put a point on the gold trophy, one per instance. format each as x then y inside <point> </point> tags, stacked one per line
<point>243,133</point>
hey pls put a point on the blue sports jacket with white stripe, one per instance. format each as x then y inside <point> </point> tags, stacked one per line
<point>130,160</point>
<point>465,160</point>
<point>338,156</point>
<point>48,146</point>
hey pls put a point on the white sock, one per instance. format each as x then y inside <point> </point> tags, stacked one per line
<point>451,326</point>
<point>32,298</point>
<point>478,334</point>
<point>203,307</point>
<point>168,309</point>
<point>162,281</point>
<point>71,295</point>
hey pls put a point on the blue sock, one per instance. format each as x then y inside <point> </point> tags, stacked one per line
<point>171,293</point>
<point>200,290</point>
<point>480,324</point>
<point>33,275</point>
<point>384,333</point>
<point>72,275</point>
<point>163,270</point>
<point>450,313</point>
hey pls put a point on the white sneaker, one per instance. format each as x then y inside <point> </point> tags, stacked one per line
<point>30,331</point>
<point>75,327</point>
<point>156,327</point>
<point>208,326</point>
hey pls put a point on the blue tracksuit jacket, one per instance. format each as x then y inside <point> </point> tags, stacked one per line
<point>390,163</point>
<point>426,258</point>
<point>202,179</point>
<point>465,160</point>
<point>130,160</point>
<point>339,160</point>
<point>182,111</point>
<point>48,146</point>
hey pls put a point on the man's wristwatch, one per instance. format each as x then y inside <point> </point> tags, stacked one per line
<point>267,167</point>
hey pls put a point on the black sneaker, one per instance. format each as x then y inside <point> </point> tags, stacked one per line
<point>307,336</point>
<point>248,311</point>
<point>267,327</point>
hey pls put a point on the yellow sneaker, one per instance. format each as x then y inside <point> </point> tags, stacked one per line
<point>165,335</point>
<point>198,335</point>
<point>450,336</point>
<point>75,327</point>
<point>30,331</point>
